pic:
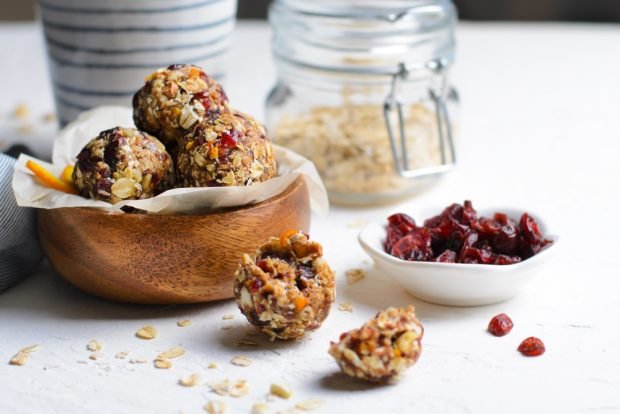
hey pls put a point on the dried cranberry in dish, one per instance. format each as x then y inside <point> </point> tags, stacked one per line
<point>226,149</point>
<point>174,100</point>
<point>286,288</point>
<point>458,235</point>
<point>382,348</point>
<point>123,164</point>
<point>532,346</point>
<point>500,325</point>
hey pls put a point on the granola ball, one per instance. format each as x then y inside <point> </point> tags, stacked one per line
<point>226,149</point>
<point>174,100</point>
<point>382,348</point>
<point>123,164</point>
<point>286,289</point>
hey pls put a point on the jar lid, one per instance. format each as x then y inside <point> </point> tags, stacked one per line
<point>364,36</point>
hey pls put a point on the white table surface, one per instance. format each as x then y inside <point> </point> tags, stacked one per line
<point>539,129</point>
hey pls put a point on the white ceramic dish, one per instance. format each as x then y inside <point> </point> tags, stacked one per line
<point>457,284</point>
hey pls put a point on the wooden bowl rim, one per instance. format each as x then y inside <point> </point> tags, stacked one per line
<point>93,211</point>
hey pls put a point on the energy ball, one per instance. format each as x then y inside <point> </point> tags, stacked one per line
<point>382,348</point>
<point>226,149</point>
<point>123,164</point>
<point>174,100</point>
<point>286,289</point>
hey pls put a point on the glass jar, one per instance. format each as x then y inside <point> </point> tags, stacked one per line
<point>363,92</point>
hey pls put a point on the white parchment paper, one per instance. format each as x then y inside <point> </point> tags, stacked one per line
<point>70,141</point>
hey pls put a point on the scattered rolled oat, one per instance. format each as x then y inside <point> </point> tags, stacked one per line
<point>175,352</point>
<point>191,380</point>
<point>138,361</point>
<point>215,407</point>
<point>281,391</point>
<point>355,275</point>
<point>234,389</point>
<point>121,355</point>
<point>94,356</point>
<point>22,356</point>
<point>309,405</point>
<point>241,361</point>
<point>260,408</point>
<point>345,307</point>
<point>212,365</point>
<point>163,363</point>
<point>228,317</point>
<point>247,342</point>
<point>94,346</point>
<point>147,332</point>
<point>184,322</point>
<point>21,111</point>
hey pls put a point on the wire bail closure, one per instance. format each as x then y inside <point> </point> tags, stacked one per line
<point>399,145</point>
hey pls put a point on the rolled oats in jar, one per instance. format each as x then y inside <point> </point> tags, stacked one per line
<point>362,91</point>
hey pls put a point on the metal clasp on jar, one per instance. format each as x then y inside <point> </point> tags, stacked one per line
<point>398,143</point>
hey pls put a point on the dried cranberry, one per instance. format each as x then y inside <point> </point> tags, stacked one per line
<point>532,346</point>
<point>476,256</point>
<point>506,241</point>
<point>401,218</point>
<point>204,98</point>
<point>448,256</point>
<point>228,140</point>
<point>263,265</point>
<point>503,259</point>
<point>500,325</point>
<point>414,246</point>
<point>529,229</point>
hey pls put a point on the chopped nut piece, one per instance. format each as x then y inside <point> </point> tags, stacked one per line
<point>281,391</point>
<point>345,307</point>
<point>215,407</point>
<point>172,353</point>
<point>163,363</point>
<point>241,361</point>
<point>228,316</point>
<point>22,356</point>
<point>147,332</point>
<point>184,323</point>
<point>260,408</point>
<point>355,275</point>
<point>21,111</point>
<point>94,346</point>
<point>190,381</point>
<point>309,405</point>
<point>212,365</point>
<point>121,355</point>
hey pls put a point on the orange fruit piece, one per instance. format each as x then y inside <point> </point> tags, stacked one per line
<point>48,179</point>
<point>300,303</point>
<point>287,235</point>
<point>67,175</point>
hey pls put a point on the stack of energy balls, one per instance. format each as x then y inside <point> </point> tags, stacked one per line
<point>187,136</point>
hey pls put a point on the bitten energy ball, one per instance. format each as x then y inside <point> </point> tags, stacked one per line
<point>382,348</point>
<point>123,164</point>
<point>286,289</point>
<point>174,100</point>
<point>226,149</point>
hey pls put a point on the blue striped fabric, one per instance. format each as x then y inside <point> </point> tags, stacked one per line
<point>20,254</point>
<point>100,51</point>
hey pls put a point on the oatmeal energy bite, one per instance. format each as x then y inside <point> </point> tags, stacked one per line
<point>226,149</point>
<point>123,164</point>
<point>173,101</point>
<point>286,289</point>
<point>382,348</point>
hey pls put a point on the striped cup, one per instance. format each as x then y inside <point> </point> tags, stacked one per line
<point>101,50</point>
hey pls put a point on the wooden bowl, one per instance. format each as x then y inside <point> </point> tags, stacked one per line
<point>165,259</point>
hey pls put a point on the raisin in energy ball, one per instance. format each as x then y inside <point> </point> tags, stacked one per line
<point>226,149</point>
<point>382,348</point>
<point>286,289</point>
<point>174,100</point>
<point>123,164</point>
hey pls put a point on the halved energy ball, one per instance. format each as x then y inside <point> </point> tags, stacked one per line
<point>174,100</point>
<point>382,348</point>
<point>123,164</point>
<point>286,289</point>
<point>226,149</point>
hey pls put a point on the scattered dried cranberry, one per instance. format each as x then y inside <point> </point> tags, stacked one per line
<point>532,346</point>
<point>458,235</point>
<point>500,325</point>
